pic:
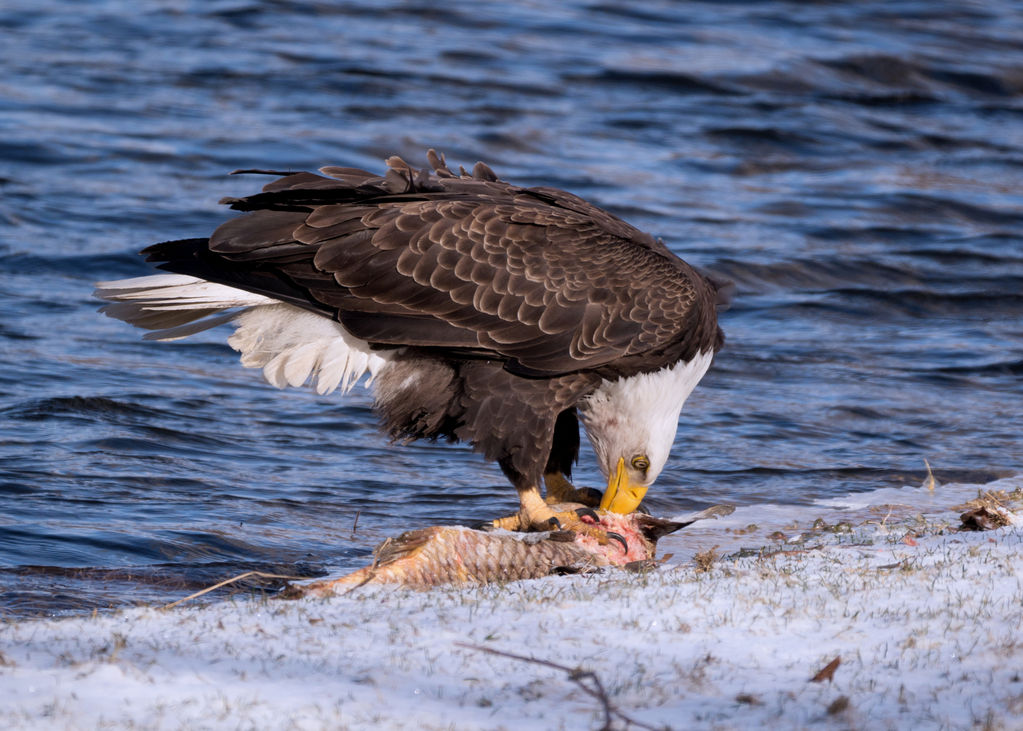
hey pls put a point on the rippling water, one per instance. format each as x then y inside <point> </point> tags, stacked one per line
<point>855,168</point>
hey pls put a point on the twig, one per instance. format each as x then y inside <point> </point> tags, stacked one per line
<point>580,677</point>
<point>356,523</point>
<point>233,579</point>
<point>883,523</point>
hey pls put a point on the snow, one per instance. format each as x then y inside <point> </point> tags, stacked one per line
<point>926,622</point>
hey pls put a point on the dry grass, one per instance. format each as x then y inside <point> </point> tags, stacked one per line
<point>234,579</point>
<point>705,560</point>
<point>999,499</point>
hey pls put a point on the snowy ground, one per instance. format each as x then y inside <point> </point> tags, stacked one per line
<point>926,623</point>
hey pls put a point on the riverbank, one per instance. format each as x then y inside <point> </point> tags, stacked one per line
<point>875,613</point>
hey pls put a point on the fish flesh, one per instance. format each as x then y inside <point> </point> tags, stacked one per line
<point>429,557</point>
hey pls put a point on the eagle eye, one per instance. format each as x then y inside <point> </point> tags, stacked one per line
<point>640,462</point>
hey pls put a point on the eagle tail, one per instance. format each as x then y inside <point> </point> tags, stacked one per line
<point>174,306</point>
<point>290,344</point>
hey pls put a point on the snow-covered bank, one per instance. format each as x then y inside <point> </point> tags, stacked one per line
<point>926,622</point>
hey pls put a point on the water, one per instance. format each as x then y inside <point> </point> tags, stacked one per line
<point>855,168</point>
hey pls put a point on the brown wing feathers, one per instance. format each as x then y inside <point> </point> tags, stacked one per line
<point>536,277</point>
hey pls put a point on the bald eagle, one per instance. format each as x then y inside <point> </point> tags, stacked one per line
<point>479,310</point>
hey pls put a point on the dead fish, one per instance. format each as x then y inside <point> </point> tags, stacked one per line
<point>438,555</point>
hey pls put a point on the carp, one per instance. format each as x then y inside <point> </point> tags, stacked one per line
<point>429,557</point>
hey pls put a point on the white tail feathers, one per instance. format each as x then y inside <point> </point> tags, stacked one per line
<point>173,305</point>
<point>290,344</point>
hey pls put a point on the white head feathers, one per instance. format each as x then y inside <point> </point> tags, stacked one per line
<point>639,415</point>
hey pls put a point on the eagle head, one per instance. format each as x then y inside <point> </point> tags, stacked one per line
<point>631,423</point>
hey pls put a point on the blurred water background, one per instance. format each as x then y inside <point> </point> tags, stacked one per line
<point>855,168</point>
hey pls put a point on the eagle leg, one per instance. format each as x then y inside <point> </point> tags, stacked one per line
<point>560,490</point>
<point>536,515</point>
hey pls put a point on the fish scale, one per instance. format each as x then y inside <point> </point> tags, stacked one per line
<point>438,555</point>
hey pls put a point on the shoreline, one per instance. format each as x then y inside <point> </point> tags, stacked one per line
<point>921,617</point>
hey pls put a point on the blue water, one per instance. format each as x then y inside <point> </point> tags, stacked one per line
<point>855,168</point>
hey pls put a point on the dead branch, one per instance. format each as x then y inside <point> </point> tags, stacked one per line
<point>587,680</point>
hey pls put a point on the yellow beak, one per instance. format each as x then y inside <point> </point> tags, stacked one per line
<point>622,496</point>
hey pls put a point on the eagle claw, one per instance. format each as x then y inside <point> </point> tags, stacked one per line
<point>620,538</point>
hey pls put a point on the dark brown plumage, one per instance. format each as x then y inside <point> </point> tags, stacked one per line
<point>502,306</point>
